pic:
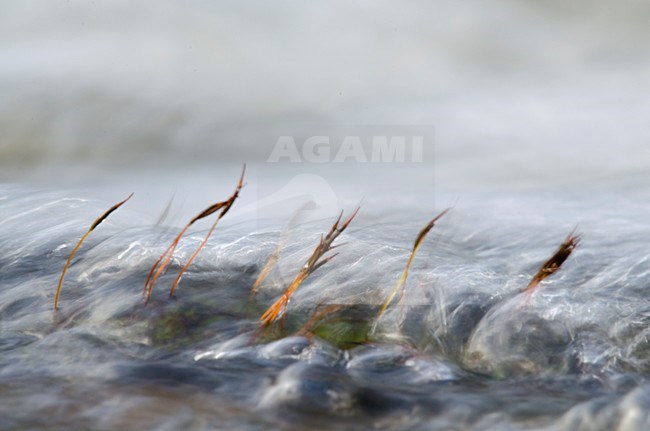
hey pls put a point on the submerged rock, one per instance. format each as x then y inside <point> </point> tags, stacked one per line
<point>516,339</point>
<point>310,389</point>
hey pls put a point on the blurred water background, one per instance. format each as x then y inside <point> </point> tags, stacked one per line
<point>516,90</point>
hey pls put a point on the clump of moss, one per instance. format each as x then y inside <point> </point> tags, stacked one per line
<point>183,325</point>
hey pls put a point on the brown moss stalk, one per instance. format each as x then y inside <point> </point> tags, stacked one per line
<point>315,261</point>
<point>96,223</point>
<point>162,263</point>
<point>555,262</point>
<point>401,283</point>
<point>225,207</point>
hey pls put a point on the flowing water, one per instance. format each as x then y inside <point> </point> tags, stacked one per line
<point>536,125</point>
<point>468,350</point>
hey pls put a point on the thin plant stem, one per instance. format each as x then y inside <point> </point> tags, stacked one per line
<point>401,283</point>
<point>225,207</point>
<point>554,263</point>
<point>95,223</point>
<point>315,261</point>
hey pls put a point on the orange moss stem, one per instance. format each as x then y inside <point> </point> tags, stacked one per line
<point>191,259</point>
<point>161,264</point>
<point>554,263</point>
<point>401,283</point>
<point>315,261</point>
<point>224,207</point>
<point>95,223</point>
